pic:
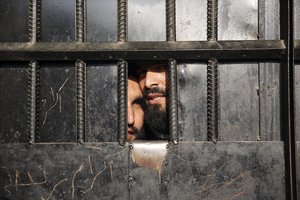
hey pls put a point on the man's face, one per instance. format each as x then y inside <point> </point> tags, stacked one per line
<point>135,113</point>
<point>152,80</point>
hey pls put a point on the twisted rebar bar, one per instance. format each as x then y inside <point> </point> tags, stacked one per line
<point>122,102</point>
<point>212,20</point>
<point>80,99</point>
<point>212,100</point>
<point>122,74</point>
<point>33,101</point>
<point>171,20</point>
<point>80,21</point>
<point>172,101</point>
<point>122,20</point>
<point>80,73</point>
<point>33,73</point>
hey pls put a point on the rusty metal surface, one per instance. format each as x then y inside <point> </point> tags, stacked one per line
<point>66,171</point>
<point>146,20</point>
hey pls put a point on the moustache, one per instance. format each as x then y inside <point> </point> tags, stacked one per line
<point>158,90</point>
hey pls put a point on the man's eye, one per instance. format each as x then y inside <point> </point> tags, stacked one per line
<point>141,102</point>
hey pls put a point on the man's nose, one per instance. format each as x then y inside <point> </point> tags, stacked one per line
<point>151,80</point>
<point>130,116</point>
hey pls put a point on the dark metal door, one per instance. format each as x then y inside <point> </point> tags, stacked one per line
<point>234,122</point>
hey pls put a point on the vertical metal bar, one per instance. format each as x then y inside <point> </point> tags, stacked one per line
<point>287,97</point>
<point>212,75</point>
<point>122,20</point>
<point>33,72</point>
<point>212,20</point>
<point>172,101</point>
<point>122,74</point>
<point>80,21</point>
<point>122,102</point>
<point>212,101</point>
<point>171,20</point>
<point>80,73</point>
<point>172,73</point>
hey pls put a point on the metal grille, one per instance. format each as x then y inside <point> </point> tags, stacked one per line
<point>285,50</point>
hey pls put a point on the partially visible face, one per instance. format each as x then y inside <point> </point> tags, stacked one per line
<point>152,80</point>
<point>135,115</point>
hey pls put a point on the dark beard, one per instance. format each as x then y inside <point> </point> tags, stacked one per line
<point>156,122</point>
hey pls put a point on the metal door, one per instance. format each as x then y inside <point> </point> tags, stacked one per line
<point>233,103</point>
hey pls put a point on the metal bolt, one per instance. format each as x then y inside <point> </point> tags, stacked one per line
<point>130,178</point>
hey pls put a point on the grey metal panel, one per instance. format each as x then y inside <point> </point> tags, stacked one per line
<point>269,102</point>
<point>14,21</point>
<point>146,20</point>
<point>297,102</point>
<point>64,171</point>
<point>203,170</point>
<point>13,102</point>
<point>226,171</point>
<point>191,20</point>
<point>192,98</point>
<point>101,20</point>
<point>58,21</point>
<point>238,20</point>
<point>297,19</point>
<point>101,104</point>
<point>239,102</point>
<point>57,102</point>
<point>269,20</point>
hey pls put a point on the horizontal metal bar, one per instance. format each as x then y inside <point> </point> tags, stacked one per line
<point>193,50</point>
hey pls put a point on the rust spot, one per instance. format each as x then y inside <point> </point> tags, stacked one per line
<point>150,155</point>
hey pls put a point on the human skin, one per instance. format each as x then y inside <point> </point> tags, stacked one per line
<point>153,76</point>
<point>135,115</point>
